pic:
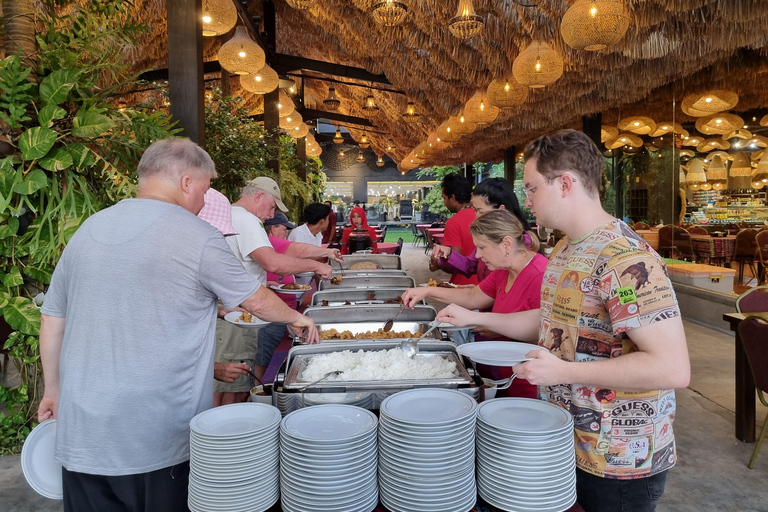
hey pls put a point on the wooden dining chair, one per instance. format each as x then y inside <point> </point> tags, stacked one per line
<point>640,225</point>
<point>667,241</point>
<point>761,239</point>
<point>753,332</point>
<point>745,252</point>
<point>698,230</point>
<point>754,300</point>
<point>681,240</point>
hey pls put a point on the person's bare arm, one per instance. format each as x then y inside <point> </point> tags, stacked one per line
<point>268,306</point>
<point>660,363</point>
<point>283,264</point>
<point>522,325</point>
<point>470,298</point>
<point>51,338</point>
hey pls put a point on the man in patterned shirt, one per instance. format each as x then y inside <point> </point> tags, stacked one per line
<point>610,320</point>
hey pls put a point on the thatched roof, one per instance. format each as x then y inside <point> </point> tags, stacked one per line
<point>672,48</point>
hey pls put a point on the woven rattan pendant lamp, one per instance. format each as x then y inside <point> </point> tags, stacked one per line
<point>446,133</point>
<point>538,66</point>
<point>364,142</point>
<point>460,125</point>
<point>479,110</point>
<point>380,161</point>
<point>300,131</point>
<point>741,165</point>
<point>717,170</point>
<point>709,103</point>
<point>410,115</point>
<point>240,55</point>
<point>466,23</point>
<point>332,102</point>
<point>506,92</point>
<point>300,4</point>
<point>263,81</point>
<point>219,16</point>
<point>338,138</point>
<point>291,121</point>
<point>369,104</point>
<point>389,12</point>
<point>594,24</point>
<point>719,124</point>
<point>640,125</point>
<point>761,171</point>
<point>285,106</point>
<point>360,158</point>
<point>695,176</point>
<point>608,132</point>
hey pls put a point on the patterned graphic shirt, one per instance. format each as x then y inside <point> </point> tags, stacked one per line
<point>594,290</point>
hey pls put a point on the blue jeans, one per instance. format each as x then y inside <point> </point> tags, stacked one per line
<point>597,494</point>
<point>270,337</point>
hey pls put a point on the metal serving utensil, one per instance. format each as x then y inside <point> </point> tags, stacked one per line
<point>389,323</point>
<point>321,379</point>
<point>410,347</point>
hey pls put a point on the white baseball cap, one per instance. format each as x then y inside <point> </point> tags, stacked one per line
<point>270,186</point>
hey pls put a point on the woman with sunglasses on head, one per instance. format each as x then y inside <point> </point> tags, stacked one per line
<point>513,284</point>
<point>490,194</point>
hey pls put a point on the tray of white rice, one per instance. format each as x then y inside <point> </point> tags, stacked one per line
<point>373,365</point>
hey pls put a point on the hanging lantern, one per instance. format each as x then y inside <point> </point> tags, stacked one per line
<point>594,24</point>
<point>446,133</point>
<point>360,157</point>
<point>338,138</point>
<point>300,131</point>
<point>466,23</point>
<point>692,141</point>
<point>682,175</point>
<point>122,105</point>
<point>624,141</point>
<point>687,153</point>
<point>506,92</point>
<point>341,153</point>
<point>717,170</point>
<point>608,132</point>
<point>695,174</point>
<point>390,146</point>
<point>332,102</point>
<point>364,143</point>
<point>640,125</point>
<point>291,121</point>
<point>300,4</point>
<point>665,128</point>
<point>479,110</point>
<point>708,103</point>
<point>538,66</point>
<point>263,81</point>
<point>707,145</point>
<point>741,165</point>
<point>219,16</point>
<point>460,125</point>
<point>435,143</point>
<point>240,55</point>
<point>380,161</point>
<point>389,12</point>
<point>410,115</point>
<point>719,124</point>
<point>369,104</point>
<point>285,105</point>
<point>760,174</point>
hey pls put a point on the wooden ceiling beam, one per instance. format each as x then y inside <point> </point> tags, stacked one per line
<point>285,63</point>
<point>308,114</point>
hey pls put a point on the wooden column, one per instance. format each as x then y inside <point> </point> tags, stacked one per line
<point>271,111</point>
<point>618,186</point>
<point>591,125</point>
<point>510,160</point>
<point>185,67</point>
<point>469,173</point>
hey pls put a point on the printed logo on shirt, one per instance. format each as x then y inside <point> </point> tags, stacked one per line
<point>587,285</point>
<point>639,273</point>
<point>586,419</point>
<point>626,295</point>
<point>664,458</point>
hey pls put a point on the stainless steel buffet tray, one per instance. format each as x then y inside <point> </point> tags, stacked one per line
<point>387,261</point>
<point>337,297</point>
<point>370,313</point>
<point>386,272</point>
<point>370,281</point>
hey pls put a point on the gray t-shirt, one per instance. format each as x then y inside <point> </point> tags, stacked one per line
<point>137,285</point>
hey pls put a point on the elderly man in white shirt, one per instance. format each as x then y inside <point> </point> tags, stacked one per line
<point>315,223</point>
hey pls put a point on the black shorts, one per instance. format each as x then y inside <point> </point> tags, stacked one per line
<point>163,490</point>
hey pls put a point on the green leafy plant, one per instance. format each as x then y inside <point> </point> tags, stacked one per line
<point>74,153</point>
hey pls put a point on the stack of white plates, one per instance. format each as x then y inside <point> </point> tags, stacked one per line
<point>328,460</point>
<point>525,455</point>
<point>426,451</point>
<point>234,454</point>
<point>362,399</point>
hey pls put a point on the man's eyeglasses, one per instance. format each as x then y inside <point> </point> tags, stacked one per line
<point>528,191</point>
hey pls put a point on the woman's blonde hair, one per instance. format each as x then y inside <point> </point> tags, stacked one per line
<point>498,224</point>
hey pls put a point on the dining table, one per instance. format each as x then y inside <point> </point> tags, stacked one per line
<point>386,248</point>
<point>714,249</point>
<point>745,383</point>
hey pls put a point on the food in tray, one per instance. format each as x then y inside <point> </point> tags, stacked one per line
<point>295,286</point>
<point>371,296</point>
<point>336,280</point>
<point>333,334</point>
<point>347,303</point>
<point>396,300</point>
<point>363,365</point>
<point>364,265</point>
<point>324,303</point>
<point>440,284</point>
<point>245,317</point>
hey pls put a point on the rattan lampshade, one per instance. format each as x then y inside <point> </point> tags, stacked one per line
<point>300,4</point>
<point>380,161</point>
<point>285,105</point>
<point>708,103</point>
<point>666,127</point>
<point>757,141</point>
<point>695,172</point>
<point>338,138</point>
<point>410,115</point>
<point>741,165</point>
<point>760,173</point>
<point>692,141</point>
<point>446,133</point>
<point>764,120</point>
<point>740,133</point>
<point>460,125</point>
<point>594,24</point>
<point>506,92</point>
<point>717,170</point>
<point>687,153</point>
<point>391,146</point>
<point>479,110</point>
<point>608,132</point>
<point>724,156</point>
<point>263,81</point>
<point>360,158</point>
<point>435,143</point>
<point>640,125</point>
<point>682,175</point>
<point>369,104</point>
<point>291,121</point>
<point>300,131</point>
<point>332,102</point>
<point>538,66</point>
<point>240,55</point>
<point>708,145</point>
<point>219,16</point>
<point>719,124</point>
<point>624,139</point>
<point>466,23</point>
<point>389,12</point>
<point>364,142</point>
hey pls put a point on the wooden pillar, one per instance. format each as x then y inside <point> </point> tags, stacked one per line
<point>591,125</point>
<point>185,67</point>
<point>510,160</point>
<point>618,186</point>
<point>271,111</point>
<point>469,173</point>
<point>301,144</point>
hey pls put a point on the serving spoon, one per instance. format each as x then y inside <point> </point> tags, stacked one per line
<point>410,347</point>
<point>389,323</point>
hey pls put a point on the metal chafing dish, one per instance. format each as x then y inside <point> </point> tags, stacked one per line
<point>337,297</point>
<point>370,281</point>
<point>370,317</point>
<point>290,392</point>
<point>387,261</point>
<point>372,272</point>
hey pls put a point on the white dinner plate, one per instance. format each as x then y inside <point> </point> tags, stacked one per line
<point>429,406</point>
<point>497,353</point>
<point>524,415</point>
<point>235,419</point>
<point>42,473</point>
<point>281,289</point>
<point>329,423</point>
<point>235,317</point>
